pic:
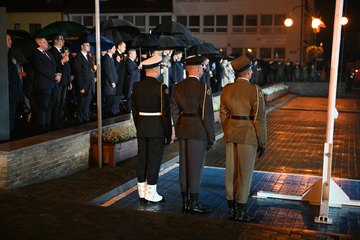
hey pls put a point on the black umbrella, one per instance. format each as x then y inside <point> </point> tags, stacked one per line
<point>201,49</point>
<point>23,45</point>
<point>119,24</point>
<point>170,42</point>
<point>105,43</point>
<point>65,28</point>
<point>148,41</point>
<point>116,35</point>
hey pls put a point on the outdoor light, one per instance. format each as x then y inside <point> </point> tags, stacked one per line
<point>315,23</point>
<point>344,21</point>
<point>288,22</point>
<point>249,50</point>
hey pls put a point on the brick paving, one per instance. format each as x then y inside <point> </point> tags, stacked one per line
<point>61,209</point>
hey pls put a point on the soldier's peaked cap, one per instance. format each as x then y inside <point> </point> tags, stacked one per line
<point>194,60</point>
<point>151,62</point>
<point>241,64</point>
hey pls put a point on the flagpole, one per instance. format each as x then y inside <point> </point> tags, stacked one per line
<point>98,82</point>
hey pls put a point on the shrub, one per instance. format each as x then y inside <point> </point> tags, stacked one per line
<point>117,134</point>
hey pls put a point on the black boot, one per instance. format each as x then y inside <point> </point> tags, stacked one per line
<point>232,209</point>
<point>195,206</point>
<point>241,214</point>
<point>185,200</point>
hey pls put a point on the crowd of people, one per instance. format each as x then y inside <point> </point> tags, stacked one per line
<point>163,92</point>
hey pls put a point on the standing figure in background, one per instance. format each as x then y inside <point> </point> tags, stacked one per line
<point>193,116</point>
<point>46,78</point>
<point>15,86</point>
<point>243,119</point>
<point>109,81</point>
<point>152,117</point>
<point>132,75</point>
<point>63,66</point>
<point>84,73</point>
<point>120,59</point>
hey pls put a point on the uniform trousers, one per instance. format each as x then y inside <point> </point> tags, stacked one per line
<point>150,152</point>
<point>192,159</point>
<point>240,161</point>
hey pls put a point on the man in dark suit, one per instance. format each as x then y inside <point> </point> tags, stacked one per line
<point>46,79</point>
<point>152,117</point>
<point>63,66</point>
<point>109,81</point>
<point>193,116</point>
<point>120,60</point>
<point>132,75</point>
<point>243,119</point>
<point>84,69</point>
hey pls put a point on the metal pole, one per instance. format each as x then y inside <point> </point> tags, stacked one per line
<point>301,32</point>
<point>331,115</point>
<point>98,82</point>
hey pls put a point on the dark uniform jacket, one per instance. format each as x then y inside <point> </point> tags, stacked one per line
<point>45,69</point>
<point>242,98</point>
<point>109,75</point>
<point>121,72</point>
<point>64,69</point>
<point>192,110</point>
<point>84,76</point>
<point>151,96</point>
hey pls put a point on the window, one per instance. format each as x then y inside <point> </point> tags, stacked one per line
<point>279,19</point>
<point>76,19</point>
<point>140,23</point>
<point>265,53</point>
<point>88,21</point>
<point>251,23</point>
<point>165,19</point>
<point>279,53</point>
<point>182,20</point>
<point>34,28</point>
<point>194,23</point>
<point>153,21</point>
<point>209,23</point>
<point>221,23</point>
<point>129,18</point>
<point>237,51</point>
<point>238,23</point>
<point>17,26</point>
<point>266,20</point>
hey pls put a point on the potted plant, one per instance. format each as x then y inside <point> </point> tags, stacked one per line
<point>119,143</point>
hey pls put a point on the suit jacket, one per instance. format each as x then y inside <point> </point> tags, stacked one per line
<point>242,98</point>
<point>121,72</point>
<point>193,97</point>
<point>64,69</point>
<point>132,75</point>
<point>44,69</point>
<point>151,96</point>
<point>84,76</point>
<point>109,75</point>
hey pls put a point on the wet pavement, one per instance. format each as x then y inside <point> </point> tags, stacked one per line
<point>68,208</point>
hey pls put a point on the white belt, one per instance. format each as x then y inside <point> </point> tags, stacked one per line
<point>150,113</point>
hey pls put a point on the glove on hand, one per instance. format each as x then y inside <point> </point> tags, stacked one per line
<point>260,151</point>
<point>209,144</point>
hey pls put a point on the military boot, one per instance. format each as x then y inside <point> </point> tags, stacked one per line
<point>195,207</point>
<point>185,200</point>
<point>232,209</point>
<point>241,214</point>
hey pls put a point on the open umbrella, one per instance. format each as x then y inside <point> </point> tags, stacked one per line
<point>105,43</point>
<point>116,35</point>
<point>170,42</point>
<point>176,30</point>
<point>121,25</point>
<point>146,41</point>
<point>65,28</point>
<point>201,49</point>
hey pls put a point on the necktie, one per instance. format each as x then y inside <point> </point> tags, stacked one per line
<point>44,52</point>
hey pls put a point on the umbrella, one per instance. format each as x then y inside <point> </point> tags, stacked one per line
<point>65,28</point>
<point>105,43</point>
<point>148,41</point>
<point>115,35</point>
<point>201,49</point>
<point>170,42</point>
<point>23,45</point>
<point>121,25</point>
<point>176,30</point>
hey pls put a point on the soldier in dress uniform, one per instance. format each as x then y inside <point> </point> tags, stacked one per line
<point>193,116</point>
<point>150,106</point>
<point>242,115</point>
